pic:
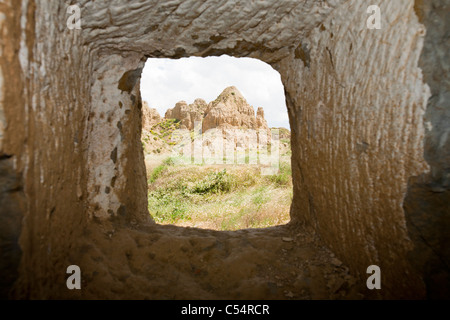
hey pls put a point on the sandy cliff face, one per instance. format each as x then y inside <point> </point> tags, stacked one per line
<point>232,118</point>
<point>187,114</point>
<point>150,117</point>
<point>229,110</point>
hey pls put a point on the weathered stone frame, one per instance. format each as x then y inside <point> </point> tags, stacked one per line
<point>70,109</point>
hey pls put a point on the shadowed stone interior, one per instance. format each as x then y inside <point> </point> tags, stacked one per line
<point>368,110</point>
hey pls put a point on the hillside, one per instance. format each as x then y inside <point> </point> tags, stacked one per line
<point>229,112</point>
<point>219,196</point>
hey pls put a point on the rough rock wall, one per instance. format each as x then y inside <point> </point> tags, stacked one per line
<point>12,202</point>
<point>267,30</point>
<point>46,89</point>
<point>70,119</point>
<point>356,102</point>
<point>260,120</point>
<point>436,65</point>
<point>428,200</point>
<point>116,181</point>
<point>11,107</point>
<point>70,116</point>
<point>187,114</point>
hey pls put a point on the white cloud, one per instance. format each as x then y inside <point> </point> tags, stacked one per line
<point>165,82</point>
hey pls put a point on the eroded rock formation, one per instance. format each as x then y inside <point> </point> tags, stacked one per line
<point>187,114</point>
<point>229,110</point>
<point>228,123</point>
<point>150,117</point>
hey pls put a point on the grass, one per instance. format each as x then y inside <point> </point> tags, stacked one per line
<point>159,169</point>
<point>156,173</point>
<point>215,182</point>
<point>219,197</point>
<point>163,129</point>
<point>284,175</point>
<point>215,196</point>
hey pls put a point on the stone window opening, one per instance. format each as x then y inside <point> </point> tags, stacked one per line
<point>216,163</point>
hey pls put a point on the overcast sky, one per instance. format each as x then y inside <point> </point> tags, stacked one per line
<point>165,82</point>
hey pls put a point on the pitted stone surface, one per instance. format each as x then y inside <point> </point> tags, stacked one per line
<point>70,116</point>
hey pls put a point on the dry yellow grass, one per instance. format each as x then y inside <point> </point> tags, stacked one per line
<point>219,197</point>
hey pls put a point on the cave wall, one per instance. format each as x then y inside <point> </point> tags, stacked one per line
<point>356,105</point>
<point>70,120</point>
<point>427,201</point>
<point>70,116</point>
<point>46,86</point>
<point>116,179</point>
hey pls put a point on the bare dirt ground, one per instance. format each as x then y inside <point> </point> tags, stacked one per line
<point>285,262</point>
<point>172,262</point>
<point>168,262</point>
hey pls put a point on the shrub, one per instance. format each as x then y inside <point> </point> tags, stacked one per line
<point>284,175</point>
<point>169,161</point>
<point>156,173</point>
<point>159,169</point>
<point>216,182</point>
<point>166,207</point>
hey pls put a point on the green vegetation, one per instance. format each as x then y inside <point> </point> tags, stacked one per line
<point>215,182</point>
<point>159,169</point>
<point>156,173</point>
<point>219,197</point>
<point>163,130</point>
<point>228,198</point>
<point>284,175</point>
